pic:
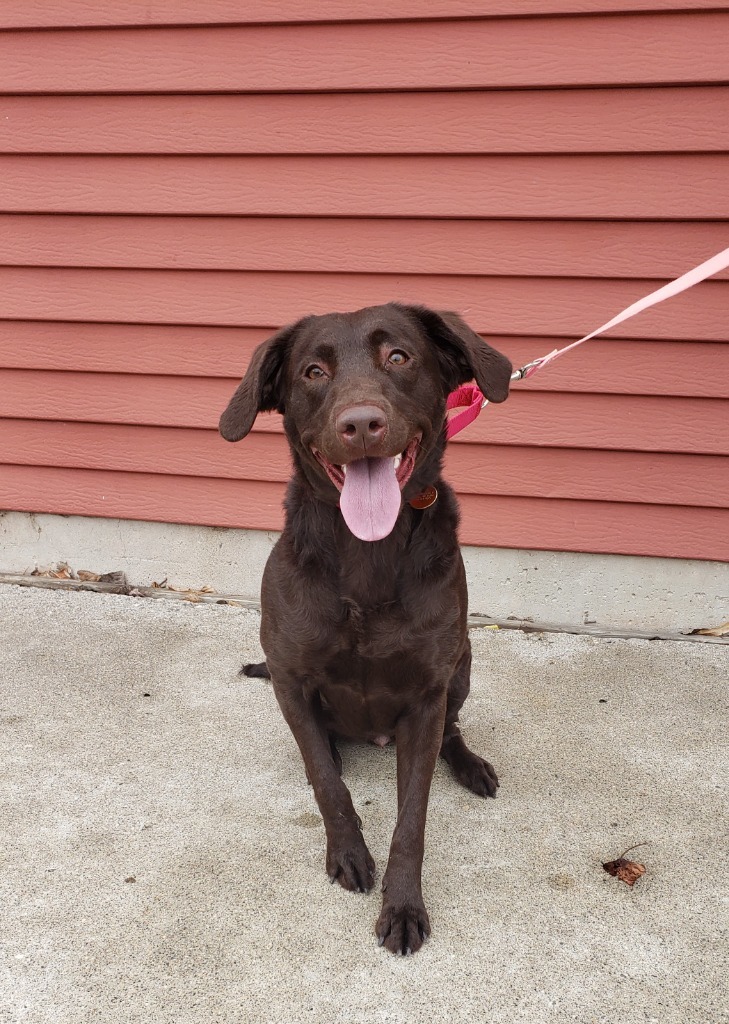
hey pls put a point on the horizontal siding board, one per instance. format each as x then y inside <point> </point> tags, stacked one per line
<point>539,248</point>
<point>690,425</point>
<point>16,14</point>
<point>640,477</point>
<point>614,367</point>
<point>485,53</point>
<point>516,306</point>
<point>607,421</point>
<point>602,527</point>
<point>132,448</point>
<point>644,478</point>
<point>644,187</point>
<point>549,121</point>
<point>126,348</point>
<point>609,527</point>
<point>627,368</point>
<point>202,501</point>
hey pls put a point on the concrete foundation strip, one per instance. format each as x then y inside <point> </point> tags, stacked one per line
<point>122,587</point>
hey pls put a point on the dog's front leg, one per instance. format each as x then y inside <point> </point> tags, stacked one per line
<point>348,859</point>
<point>403,923</point>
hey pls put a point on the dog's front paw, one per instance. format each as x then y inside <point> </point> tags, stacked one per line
<point>478,775</point>
<point>350,863</point>
<point>402,927</point>
<point>472,771</point>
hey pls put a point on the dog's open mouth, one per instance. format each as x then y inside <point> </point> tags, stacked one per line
<point>370,490</point>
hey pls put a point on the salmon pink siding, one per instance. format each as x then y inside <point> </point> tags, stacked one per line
<point>179,178</point>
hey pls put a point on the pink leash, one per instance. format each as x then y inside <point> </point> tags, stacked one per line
<point>468,395</point>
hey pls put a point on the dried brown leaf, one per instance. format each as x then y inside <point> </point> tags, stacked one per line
<point>628,871</point>
<point>88,577</point>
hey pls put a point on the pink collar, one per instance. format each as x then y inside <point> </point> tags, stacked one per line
<point>467,395</point>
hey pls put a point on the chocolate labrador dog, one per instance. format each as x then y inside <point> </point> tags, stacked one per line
<point>364,595</point>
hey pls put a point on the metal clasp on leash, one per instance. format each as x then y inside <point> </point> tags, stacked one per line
<point>523,371</point>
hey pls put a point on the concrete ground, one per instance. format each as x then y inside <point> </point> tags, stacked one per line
<point>162,857</point>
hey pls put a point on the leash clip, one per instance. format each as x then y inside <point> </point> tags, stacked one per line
<point>525,370</point>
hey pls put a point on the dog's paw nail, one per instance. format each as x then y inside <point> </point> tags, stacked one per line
<point>408,952</point>
<point>381,940</point>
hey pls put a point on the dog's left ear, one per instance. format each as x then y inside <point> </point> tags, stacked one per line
<point>464,356</point>
<point>261,390</point>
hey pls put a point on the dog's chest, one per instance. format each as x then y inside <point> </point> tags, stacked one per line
<point>363,697</point>
<point>382,650</point>
<point>369,634</point>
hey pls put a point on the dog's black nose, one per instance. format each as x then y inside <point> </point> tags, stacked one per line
<point>361,426</point>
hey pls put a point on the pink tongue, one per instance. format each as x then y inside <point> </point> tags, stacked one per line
<point>370,500</point>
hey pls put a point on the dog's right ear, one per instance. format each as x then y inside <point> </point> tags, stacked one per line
<point>262,388</point>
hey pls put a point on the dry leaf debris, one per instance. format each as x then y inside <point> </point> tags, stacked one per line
<point>189,593</point>
<point>62,571</point>
<point>628,871</point>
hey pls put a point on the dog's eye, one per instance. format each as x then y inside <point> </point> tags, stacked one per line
<point>397,358</point>
<point>314,372</point>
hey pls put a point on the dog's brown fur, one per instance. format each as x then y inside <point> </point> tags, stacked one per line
<point>368,641</point>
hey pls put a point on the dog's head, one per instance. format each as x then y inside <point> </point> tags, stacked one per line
<point>363,398</point>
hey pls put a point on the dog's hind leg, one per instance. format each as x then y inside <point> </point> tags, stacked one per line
<point>471,770</point>
<point>260,671</point>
